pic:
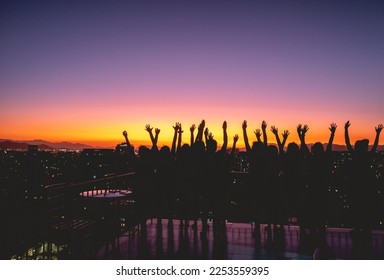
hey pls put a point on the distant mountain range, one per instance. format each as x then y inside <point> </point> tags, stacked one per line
<point>341,148</point>
<point>42,144</point>
<point>46,145</point>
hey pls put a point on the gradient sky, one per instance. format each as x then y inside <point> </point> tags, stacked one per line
<point>84,71</point>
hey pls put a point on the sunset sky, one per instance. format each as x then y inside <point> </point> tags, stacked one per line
<point>84,71</point>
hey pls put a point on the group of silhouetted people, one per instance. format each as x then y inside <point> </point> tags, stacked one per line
<point>192,181</point>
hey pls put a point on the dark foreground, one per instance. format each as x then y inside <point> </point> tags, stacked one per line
<point>162,239</point>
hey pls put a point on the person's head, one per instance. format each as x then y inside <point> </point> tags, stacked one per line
<point>317,149</point>
<point>165,150</point>
<point>211,146</point>
<point>361,146</point>
<point>272,151</point>
<point>144,152</point>
<point>258,147</point>
<point>184,149</point>
<point>293,149</point>
<point>198,147</point>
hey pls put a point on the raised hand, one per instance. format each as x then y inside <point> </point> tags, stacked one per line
<point>225,125</point>
<point>274,130</point>
<point>206,131</point>
<point>285,134</point>
<point>177,126</point>
<point>199,136</point>
<point>246,142</point>
<point>264,125</point>
<point>347,125</point>
<point>148,128</point>
<point>346,136</point>
<point>210,136</point>
<point>129,146</point>
<point>265,137</point>
<point>333,127</point>
<point>192,129</point>
<point>299,127</point>
<point>157,131</point>
<point>302,130</point>
<point>225,138</point>
<point>258,133</point>
<point>235,139</point>
<point>180,129</point>
<point>379,128</point>
<point>244,125</point>
<point>202,125</point>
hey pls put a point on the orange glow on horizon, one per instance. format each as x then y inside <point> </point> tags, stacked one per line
<point>105,135</point>
<point>100,121</point>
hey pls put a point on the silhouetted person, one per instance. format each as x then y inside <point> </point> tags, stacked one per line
<point>129,149</point>
<point>267,183</point>
<point>274,179</point>
<point>145,181</point>
<point>184,181</point>
<point>154,139</point>
<point>189,176</point>
<point>292,180</point>
<point>301,131</point>
<point>319,171</point>
<point>362,191</point>
<point>280,144</point>
<point>163,188</point>
<point>256,186</point>
<point>361,180</point>
<point>217,181</point>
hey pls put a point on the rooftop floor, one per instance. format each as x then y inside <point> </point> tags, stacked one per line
<point>162,239</point>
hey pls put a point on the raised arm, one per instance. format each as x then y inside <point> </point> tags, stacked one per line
<point>246,142</point>
<point>157,132</point>
<point>299,127</point>
<point>378,129</point>
<point>225,137</point>
<point>303,146</point>
<point>346,135</point>
<point>235,139</point>
<point>180,132</point>
<point>206,133</point>
<point>332,128</point>
<point>275,131</point>
<point>176,129</point>
<point>199,136</point>
<point>148,128</point>
<point>264,129</point>
<point>258,134</point>
<point>129,146</point>
<point>192,129</point>
<point>285,135</point>
<point>210,136</point>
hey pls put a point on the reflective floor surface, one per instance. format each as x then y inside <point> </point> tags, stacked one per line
<point>164,239</point>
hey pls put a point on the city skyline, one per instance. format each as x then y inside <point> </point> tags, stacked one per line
<point>84,72</point>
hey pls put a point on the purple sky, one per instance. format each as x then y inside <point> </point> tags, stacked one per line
<point>283,61</point>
